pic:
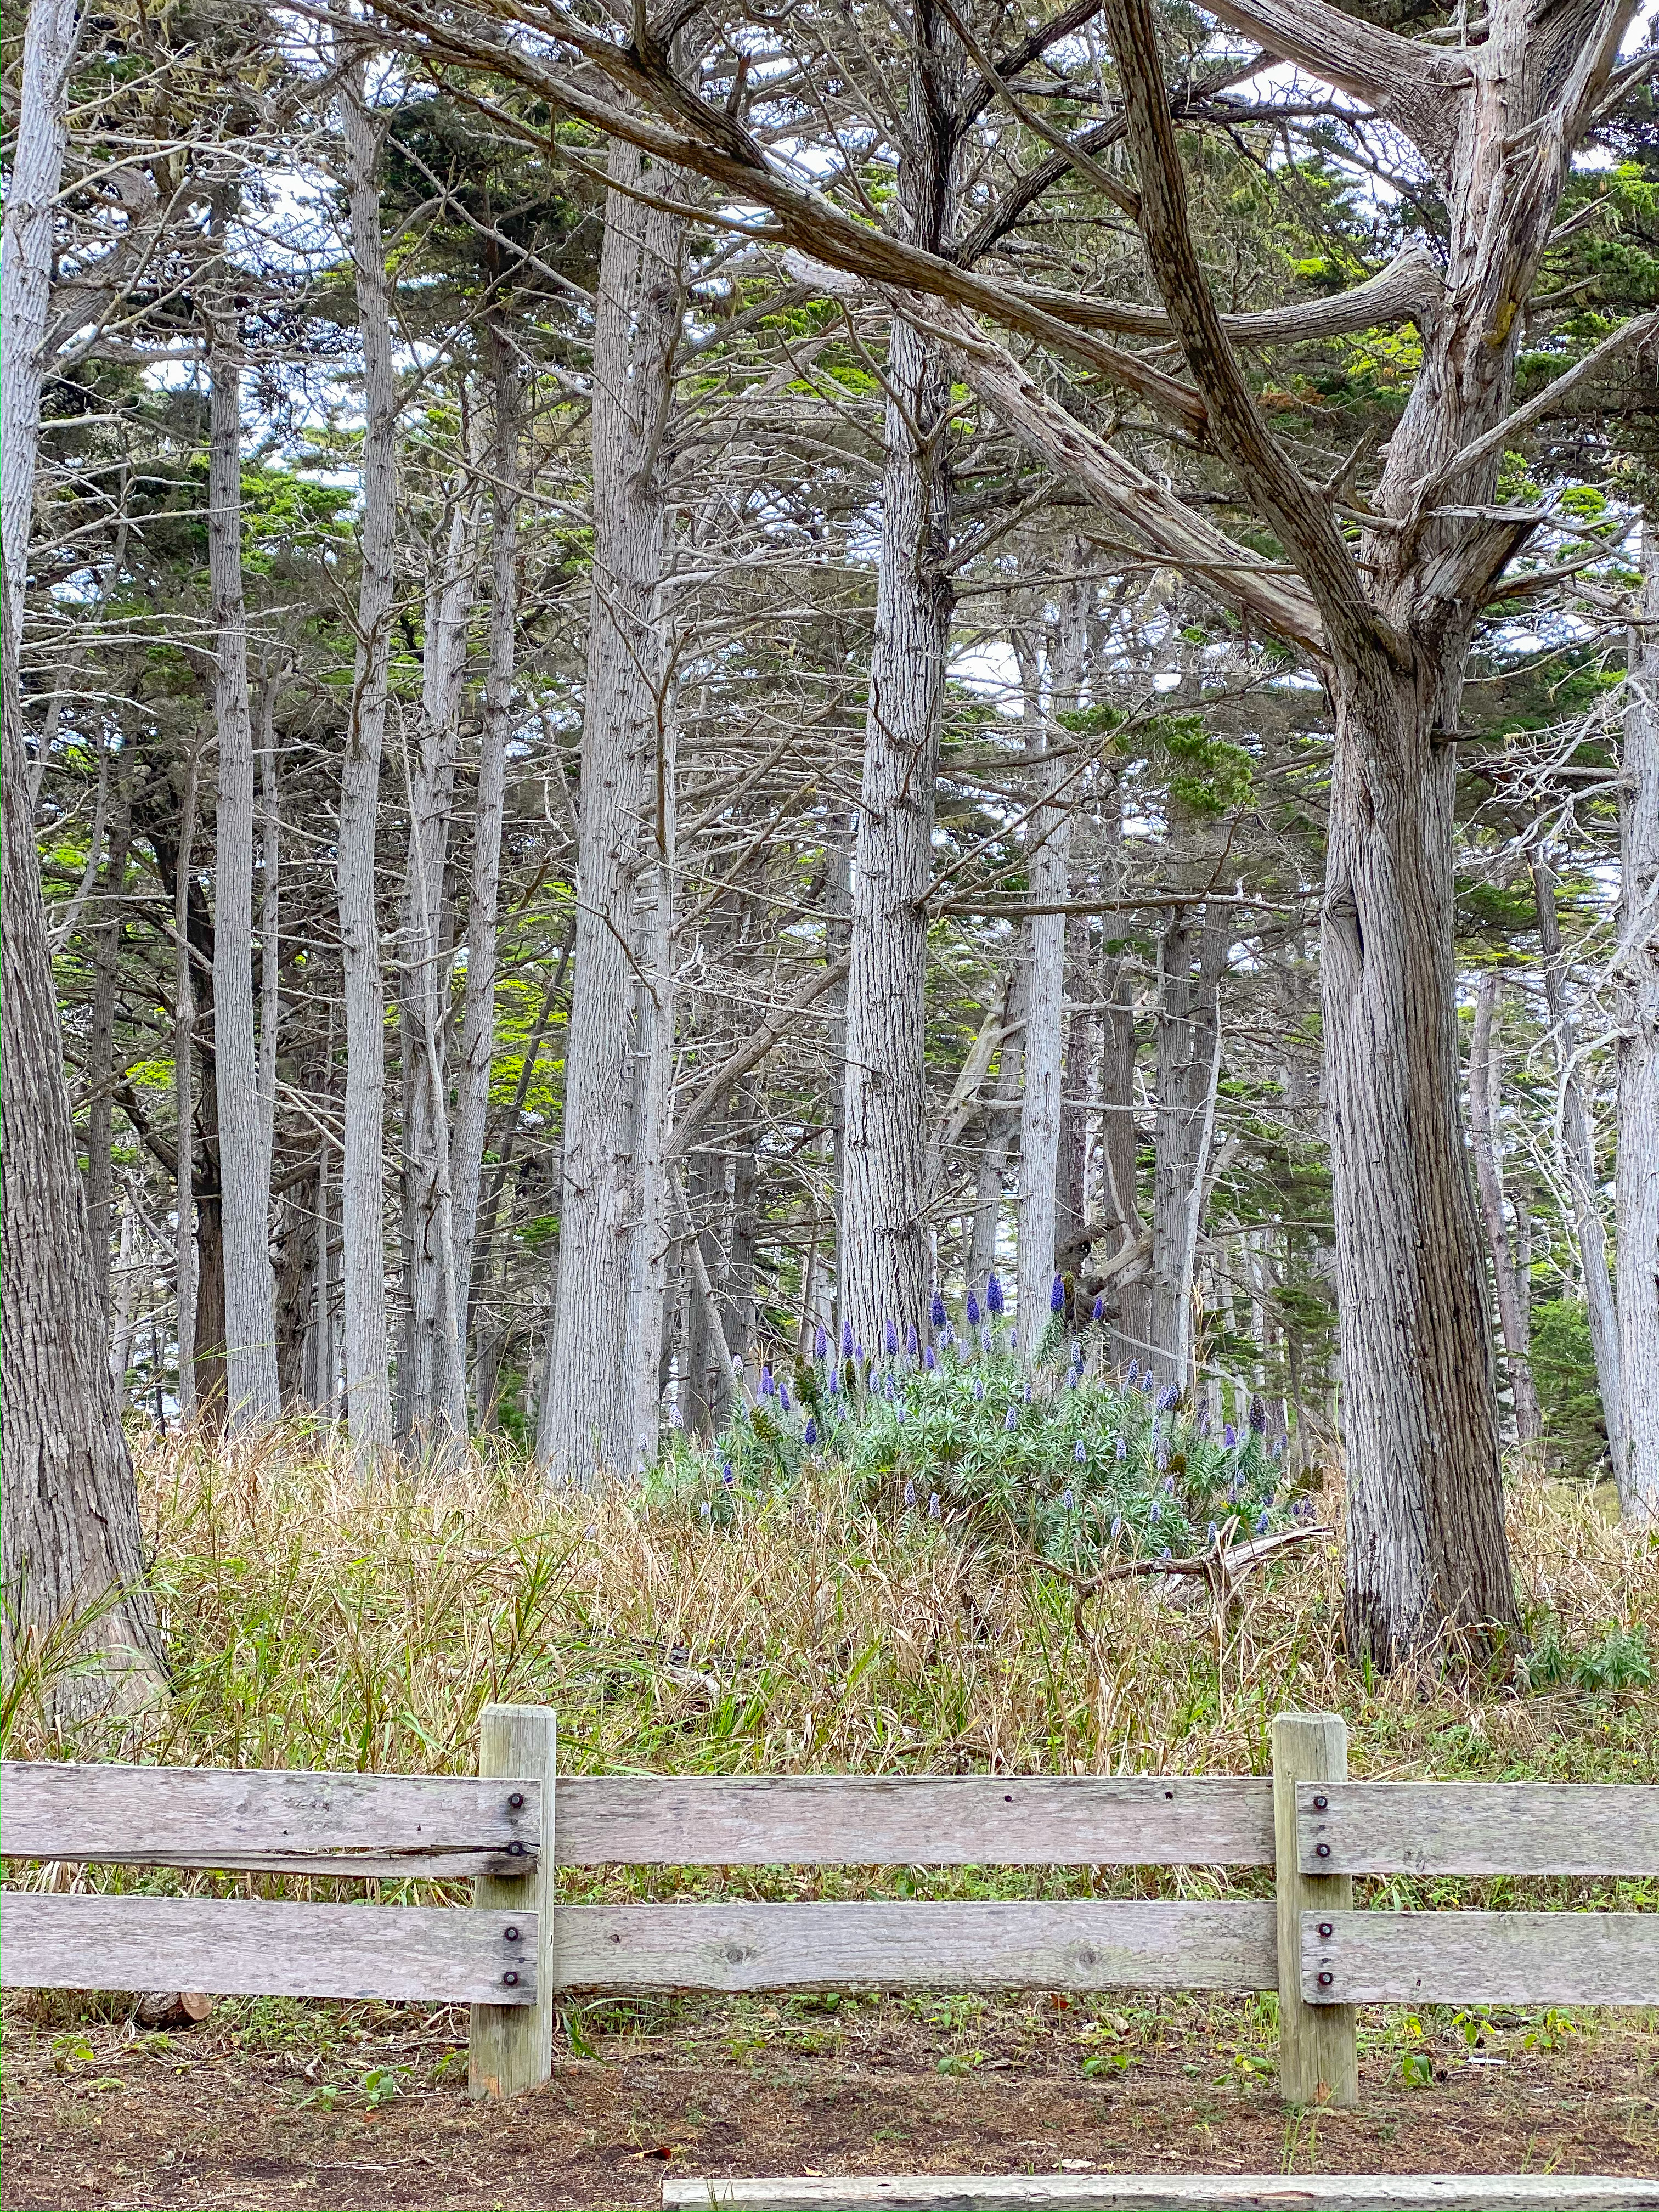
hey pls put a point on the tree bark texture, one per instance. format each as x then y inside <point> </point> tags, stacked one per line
<point>1637,1064</point>
<point>1489,1182</point>
<point>100,1051</point>
<point>1187,1016</point>
<point>367,1349</point>
<point>586,1405</point>
<point>253,1397</point>
<point>184,1098</point>
<point>70,1509</point>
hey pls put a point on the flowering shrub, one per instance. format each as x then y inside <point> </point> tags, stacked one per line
<point>1078,1466</point>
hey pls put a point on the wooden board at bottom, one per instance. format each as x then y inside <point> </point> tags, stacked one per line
<point>1083,1946</point>
<point>1169,2192</point>
<point>442,1954</point>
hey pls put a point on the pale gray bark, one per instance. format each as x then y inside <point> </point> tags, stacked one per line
<point>368,1353</point>
<point>252,1396</point>
<point>1483,1097</point>
<point>184,1263</point>
<point>1187,1022</point>
<point>1001,1119</point>
<point>1637,1064</point>
<point>478,1013</point>
<point>270,916</point>
<point>586,1408</point>
<point>100,1051</point>
<point>1577,1142</point>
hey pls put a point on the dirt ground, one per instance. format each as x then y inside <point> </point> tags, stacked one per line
<point>374,2117</point>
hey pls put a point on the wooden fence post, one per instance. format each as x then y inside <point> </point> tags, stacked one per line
<point>510,2047</point>
<point>1318,2047</point>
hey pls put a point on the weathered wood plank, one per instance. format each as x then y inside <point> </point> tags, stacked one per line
<point>1478,1827</point>
<point>278,1821</point>
<point>1160,2193</point>
<point>510,2047</point>
<point>441,1955</point>
<point>882,1820</point>
<point>1318,2044</point>
<point>1084,1945</point>
<point>1480,1957</point>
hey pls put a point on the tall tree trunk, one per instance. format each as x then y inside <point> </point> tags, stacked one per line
<point>1528,1422</point>
<point>884,1231</point>
<point>588,1401</point>
<point>1001,1118</point>
<point>651,1231</point>
<point>1188,1020</point>
<point>431,1373</point>
<point>837,946</point>
<point>478,1016</point>
<point>1071,1177</point>
<point>1132,1330</point>
<point>368,1353</point>
<point>183,1096</point>
<point>253,1394</point>
<point>68,1508</point>
<point>1582,1180</point>
<point>1636,1062</point>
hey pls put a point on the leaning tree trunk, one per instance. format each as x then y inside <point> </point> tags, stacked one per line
<point>1512,1319</point>
<point>368,1353</point>
<point>584,1417</point>
<point>68,1505</point>
<point>1637,1064</point>
<point>253,1396</point>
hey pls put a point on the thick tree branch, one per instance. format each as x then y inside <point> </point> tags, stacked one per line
<point>738,1065</point>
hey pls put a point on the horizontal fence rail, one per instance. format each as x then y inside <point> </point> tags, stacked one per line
<point>1168,2192</point>
<point>437,1955</point>
<point>1477,1827</point>
<point>275,1821</point>
<point>1084,1945</point>
<point>1480,1957</point>
<point>859,1820</point>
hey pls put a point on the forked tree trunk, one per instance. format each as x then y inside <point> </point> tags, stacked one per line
<point>1636,1063</point>
<point>368,1351</point>
<point>253,1396</point>
<point>586,1403</point>
<point>67,1504</point>
<point>1517,1353</point>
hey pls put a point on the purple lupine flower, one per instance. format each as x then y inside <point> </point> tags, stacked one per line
<point>1012,1419</point>
<point>726,1475</point>
<point>859,1352</point>
<point>992,1295</point>
<point>768,1387</point>
<point>821,1342</point>
<point>898,1411</point>
<point>1066,1500</point>
<point>847,1339</point>
<point>1013,1339</point>
<point>1080,1453</point>
<point>1163,1460</point>
<point>1057,1296</point>
<point>910,1341</point>
<point>985,1339</point>
<point>978,1391</point>
<point>1099,1313</point>
<point>1165,1553</point>
<point>1157,1513</point>
<point>891,1335</point>
<point>1134,1374</point>
<point>1230,1438</point>
<point>1122,1448</point>
<point>937,1315</point>
<point>1258,1417</point>
<point>933,1511</point>
<point>928,1359</point>
<point>809,1434</point>
<point>1263,1525</point>
<point>1073,1377</point>
<point>1232,1493</point>
<point>1166,1398</point>
<point>1028,1393</point>
<point>973,1310</point>
<point>909,1493</point>
<point>1168,1486</point>
<point>834,1383</point>
<point>676,1419</point>
<point>1146,1382</point>
<point>890,1388</point>
<point>783,1397</point>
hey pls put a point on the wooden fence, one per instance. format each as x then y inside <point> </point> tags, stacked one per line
<point>511,1952</point>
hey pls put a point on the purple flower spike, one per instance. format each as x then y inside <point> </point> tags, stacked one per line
<point>1134,1374</point>
<point>1099,1313</point>
<point>1080,1452</point>
<point>1122,1448</point>
<point>992,1295</point>
<point>726,1475</point>
<point>859,1352</point>
<point>1230,1438</point>
<point>1013,1420</point>
<point>934,1512</point>
<point>1066,1500</point>
<point>783,1397</point>
<point>910,1341</point>
<point>1258,1417</point>
<point>1057,1296</point>
<point>1146,1382</point>
<point>834,1383</point>
<point>978,1391</point>
<point>809,1436</point>
<point>768,1387</point>
<point>821,1343</point>
<point>973,1310</point>
<point>847,1339</point>
<point>928,1360</point>
<point>892,1339</point>
<point>938,1315</point>
<point>909,1493</point>
<point>1263,1525</point>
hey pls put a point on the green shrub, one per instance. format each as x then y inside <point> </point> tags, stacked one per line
<point>1563,1368</point>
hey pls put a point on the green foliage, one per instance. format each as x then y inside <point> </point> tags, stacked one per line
<point>1563,1368</point>
<point>1621,1659</point>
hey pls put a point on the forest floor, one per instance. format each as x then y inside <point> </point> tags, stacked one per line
<point>370,2112</point>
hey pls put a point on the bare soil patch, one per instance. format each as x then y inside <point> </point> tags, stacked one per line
<point>105,2117</point>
